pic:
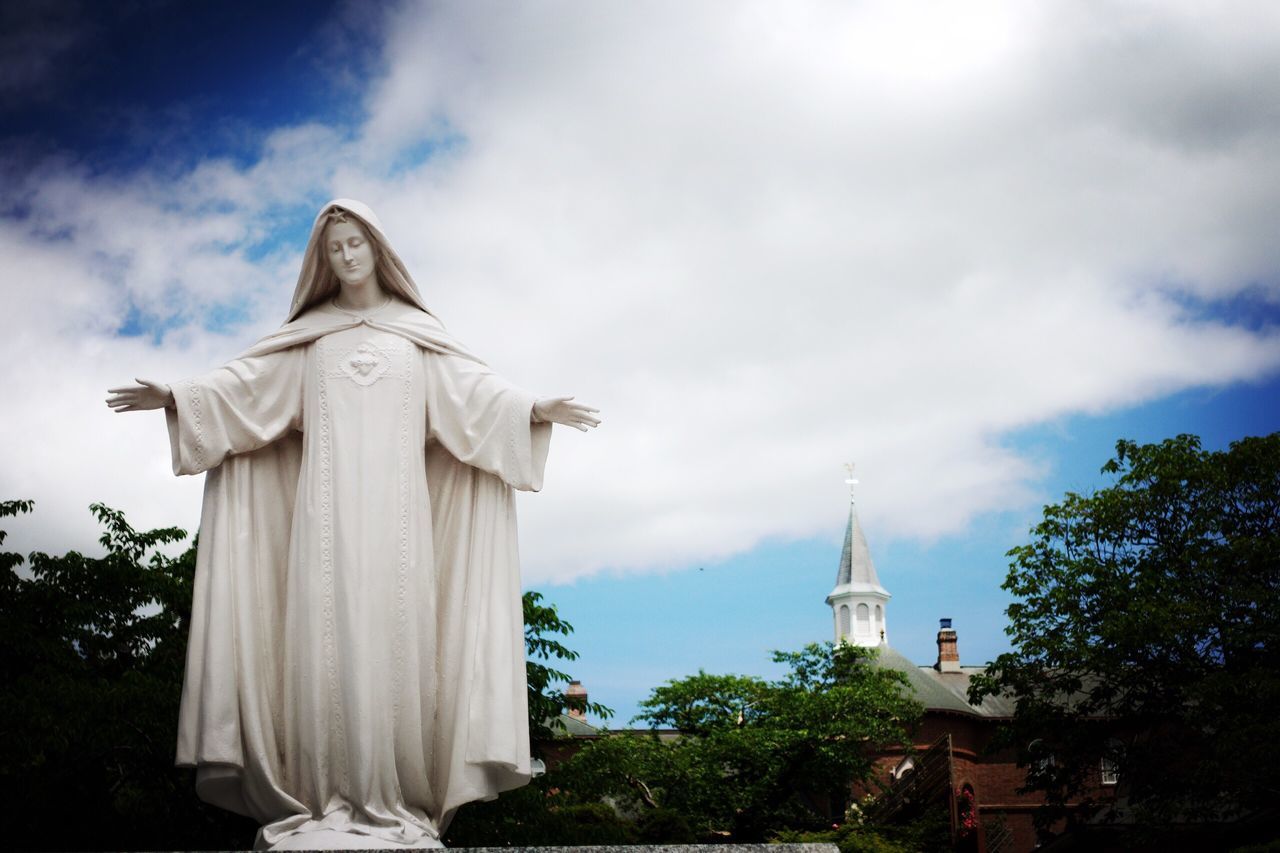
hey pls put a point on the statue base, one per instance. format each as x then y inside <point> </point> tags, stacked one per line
<point>666,848</point>
<point>331,839</point>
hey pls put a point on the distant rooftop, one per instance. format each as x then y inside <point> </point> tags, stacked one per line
<point>576,726</point>
<point>945,691</point>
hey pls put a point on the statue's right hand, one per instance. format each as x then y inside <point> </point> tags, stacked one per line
<point>136,398</point>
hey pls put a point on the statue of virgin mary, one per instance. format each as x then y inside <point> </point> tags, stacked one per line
<point>355,669</point>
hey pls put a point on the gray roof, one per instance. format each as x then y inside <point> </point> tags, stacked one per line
<point>945,691</point>
<point>855,560</point>
<point>577,727</point>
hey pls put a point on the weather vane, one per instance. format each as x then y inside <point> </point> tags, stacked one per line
<point>850,481</point>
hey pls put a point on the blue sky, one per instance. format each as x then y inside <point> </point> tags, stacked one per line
<point>728,616</point>
<point>175,82</point>
<point>967,251</point>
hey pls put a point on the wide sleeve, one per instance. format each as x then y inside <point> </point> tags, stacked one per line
<point>242,406</point>
<point>485,421</point>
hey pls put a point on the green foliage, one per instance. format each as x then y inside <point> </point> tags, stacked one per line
<point>664,826</point>
<point>536,816</point>
<point>92,652</point>
<point>1147,630</point>
<point>1264,847</point>
<point>754,756</point>
<point>547,702</point>
<point>593,824</point>
<point>522,816</point>
<point>849,840</point>
<point>929,832</point>
<point>702,703</point>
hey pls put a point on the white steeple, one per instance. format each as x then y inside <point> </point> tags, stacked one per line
<point>858,601</point>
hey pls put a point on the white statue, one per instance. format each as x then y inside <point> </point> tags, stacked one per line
<point>355,670</point>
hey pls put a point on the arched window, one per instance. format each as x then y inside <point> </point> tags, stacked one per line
<point>966,811</point>
<point>864,620</point>
<point>879,620</point>
<point>844,621</point>
<point>1111,762</point>
<point>1041,755</point>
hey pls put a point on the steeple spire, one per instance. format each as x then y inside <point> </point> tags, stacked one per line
<point>858,600</point>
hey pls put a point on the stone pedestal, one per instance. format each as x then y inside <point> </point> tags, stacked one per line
<point>342,841</point>
<point>329,839</point>
<point>667,848</point>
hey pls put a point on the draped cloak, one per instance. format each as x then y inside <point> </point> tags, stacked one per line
<point>356,652</point>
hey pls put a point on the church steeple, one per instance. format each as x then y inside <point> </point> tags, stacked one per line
<point>858,601</point>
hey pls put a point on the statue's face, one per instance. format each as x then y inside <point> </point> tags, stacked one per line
<point>350,252</point>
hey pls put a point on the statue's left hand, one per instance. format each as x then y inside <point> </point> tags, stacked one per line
<point>562,410</point>
<point>136,398</point>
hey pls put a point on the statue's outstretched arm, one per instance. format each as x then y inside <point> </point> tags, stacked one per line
<point>563,410</point>
<point>141,397</point>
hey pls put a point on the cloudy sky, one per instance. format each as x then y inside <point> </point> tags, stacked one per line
<point>967,246</point>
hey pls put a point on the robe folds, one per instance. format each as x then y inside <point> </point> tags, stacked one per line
<point>356,655</point>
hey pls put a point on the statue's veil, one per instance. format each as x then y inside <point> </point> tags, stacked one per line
<point>317,281</point>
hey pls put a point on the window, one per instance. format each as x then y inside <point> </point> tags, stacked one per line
<point>879,619</point>
<point>844,621</point>
<point>1111,762</point>
<point>1041,757</point>
<point>864,620</point>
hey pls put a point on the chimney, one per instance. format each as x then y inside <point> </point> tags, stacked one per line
<point>948,653</point>
<point>578,694</point>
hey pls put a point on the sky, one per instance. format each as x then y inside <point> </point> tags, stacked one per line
<point>966,246</point>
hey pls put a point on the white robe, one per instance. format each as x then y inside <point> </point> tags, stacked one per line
<point>356,654</point>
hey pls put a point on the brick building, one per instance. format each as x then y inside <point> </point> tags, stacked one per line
<point>951,757</point>
<point>954,735</point>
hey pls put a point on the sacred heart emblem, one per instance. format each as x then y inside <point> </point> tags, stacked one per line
<point>365,364</point>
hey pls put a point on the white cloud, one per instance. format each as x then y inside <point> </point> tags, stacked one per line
<point>764,238</point>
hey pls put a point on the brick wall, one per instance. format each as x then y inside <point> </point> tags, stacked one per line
<point>995,777</point>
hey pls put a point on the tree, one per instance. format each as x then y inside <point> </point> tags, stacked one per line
<point>754,757</point>
<point>547,702</point>
<point>91,659</point>
<point>1146,633</point>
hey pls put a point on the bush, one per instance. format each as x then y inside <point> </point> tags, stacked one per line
<point>664,826</point>
<point>930,831</point>
<point>533,816</point>
<point>592,824</point>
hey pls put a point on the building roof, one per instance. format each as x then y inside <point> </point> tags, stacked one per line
<point>856,571</point>
<point>576,726</point>
<point>945,691</point>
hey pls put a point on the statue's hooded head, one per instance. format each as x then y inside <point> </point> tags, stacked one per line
<point>317,281</point>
